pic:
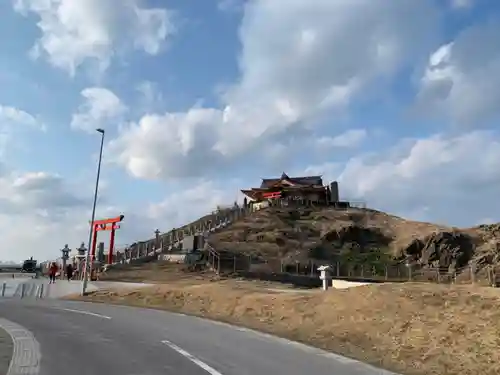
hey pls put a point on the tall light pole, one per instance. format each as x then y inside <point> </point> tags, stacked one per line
<point>87,257</point>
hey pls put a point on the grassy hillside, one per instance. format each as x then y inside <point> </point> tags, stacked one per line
<point>356,235</point>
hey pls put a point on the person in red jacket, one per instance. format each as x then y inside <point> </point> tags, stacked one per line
<point>52,272</point>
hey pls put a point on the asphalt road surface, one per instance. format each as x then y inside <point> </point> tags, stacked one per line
<point>65,337</point>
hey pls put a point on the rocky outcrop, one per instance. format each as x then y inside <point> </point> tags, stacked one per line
<point>443,250</point>
<point>360,237</point>
<point>363,238</point>
<point>353,241</point>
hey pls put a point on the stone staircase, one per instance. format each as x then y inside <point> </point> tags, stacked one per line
<point>171,243</point>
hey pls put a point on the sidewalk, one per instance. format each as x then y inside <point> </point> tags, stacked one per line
<point>6,348</point>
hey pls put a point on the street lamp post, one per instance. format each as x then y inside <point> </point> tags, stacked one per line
<point>88,266</point>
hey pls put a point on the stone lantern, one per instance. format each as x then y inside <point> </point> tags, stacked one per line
<point>80,258</point>
<point>325,276</point>
<point>157,239</point>
<point>65,256</point>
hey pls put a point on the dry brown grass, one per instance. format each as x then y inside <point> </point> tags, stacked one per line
<point>178,275</point>
<point>157,272</point>
<point>267,225</point>
<point>413,329</point>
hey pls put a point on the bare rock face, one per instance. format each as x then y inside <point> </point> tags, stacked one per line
<point>443,250</point>
<point>353,239</point>
<point>353,234</point>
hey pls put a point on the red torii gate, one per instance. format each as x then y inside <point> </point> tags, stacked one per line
<point>110,224</point>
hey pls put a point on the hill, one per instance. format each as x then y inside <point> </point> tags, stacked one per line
<point>360,236</point>
<point>360,242</point>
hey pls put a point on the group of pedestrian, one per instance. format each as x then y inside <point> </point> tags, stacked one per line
<point>54,269</point>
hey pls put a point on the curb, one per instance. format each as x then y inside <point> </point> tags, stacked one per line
<point>26,354</point>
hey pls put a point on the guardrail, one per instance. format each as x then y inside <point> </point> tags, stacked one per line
<point>24,290</point>
<point>213,258</point>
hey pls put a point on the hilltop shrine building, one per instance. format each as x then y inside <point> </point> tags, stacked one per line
<point>308,188</point>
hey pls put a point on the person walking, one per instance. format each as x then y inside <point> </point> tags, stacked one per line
<point>69,271</point>
<point>52,272</point>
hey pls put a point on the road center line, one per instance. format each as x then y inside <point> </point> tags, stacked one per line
<point>85,313</point>
<point>192,358</point>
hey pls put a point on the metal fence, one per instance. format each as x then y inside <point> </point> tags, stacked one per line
<point>470,274</point>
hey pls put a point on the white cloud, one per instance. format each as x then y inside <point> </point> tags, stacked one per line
<point>187,205</point>
<point>298,61</point>
<point>150,98</point>
<point>174,144</point>
<point>462,79</point>
<point>462,4</point>
<point>450,179</point>
<point>349,139</point>
<point>456,178</point>
<point>40,212</point>
<point>74,32</point>
<point>230,5</point>
<point>20,117</point>
<point>12,123</point>
<point>299,65</point>
<point>100,107</point>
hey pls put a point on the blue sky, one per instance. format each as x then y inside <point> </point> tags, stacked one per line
<point>398,101</point>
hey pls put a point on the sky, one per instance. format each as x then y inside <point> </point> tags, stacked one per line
<point>399,101</point>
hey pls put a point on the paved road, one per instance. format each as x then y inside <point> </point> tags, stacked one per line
<point>94,339</point>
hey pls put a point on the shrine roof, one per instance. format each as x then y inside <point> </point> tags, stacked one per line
<point>304,180</point>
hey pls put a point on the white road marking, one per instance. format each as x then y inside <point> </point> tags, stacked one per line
<point>85,313</point>
<point>192,358</point>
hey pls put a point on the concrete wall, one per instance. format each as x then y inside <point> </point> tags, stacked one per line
<point>344,284</point>
<point>173,258</point>
<point>285,278</point>
<point>260,205</point>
